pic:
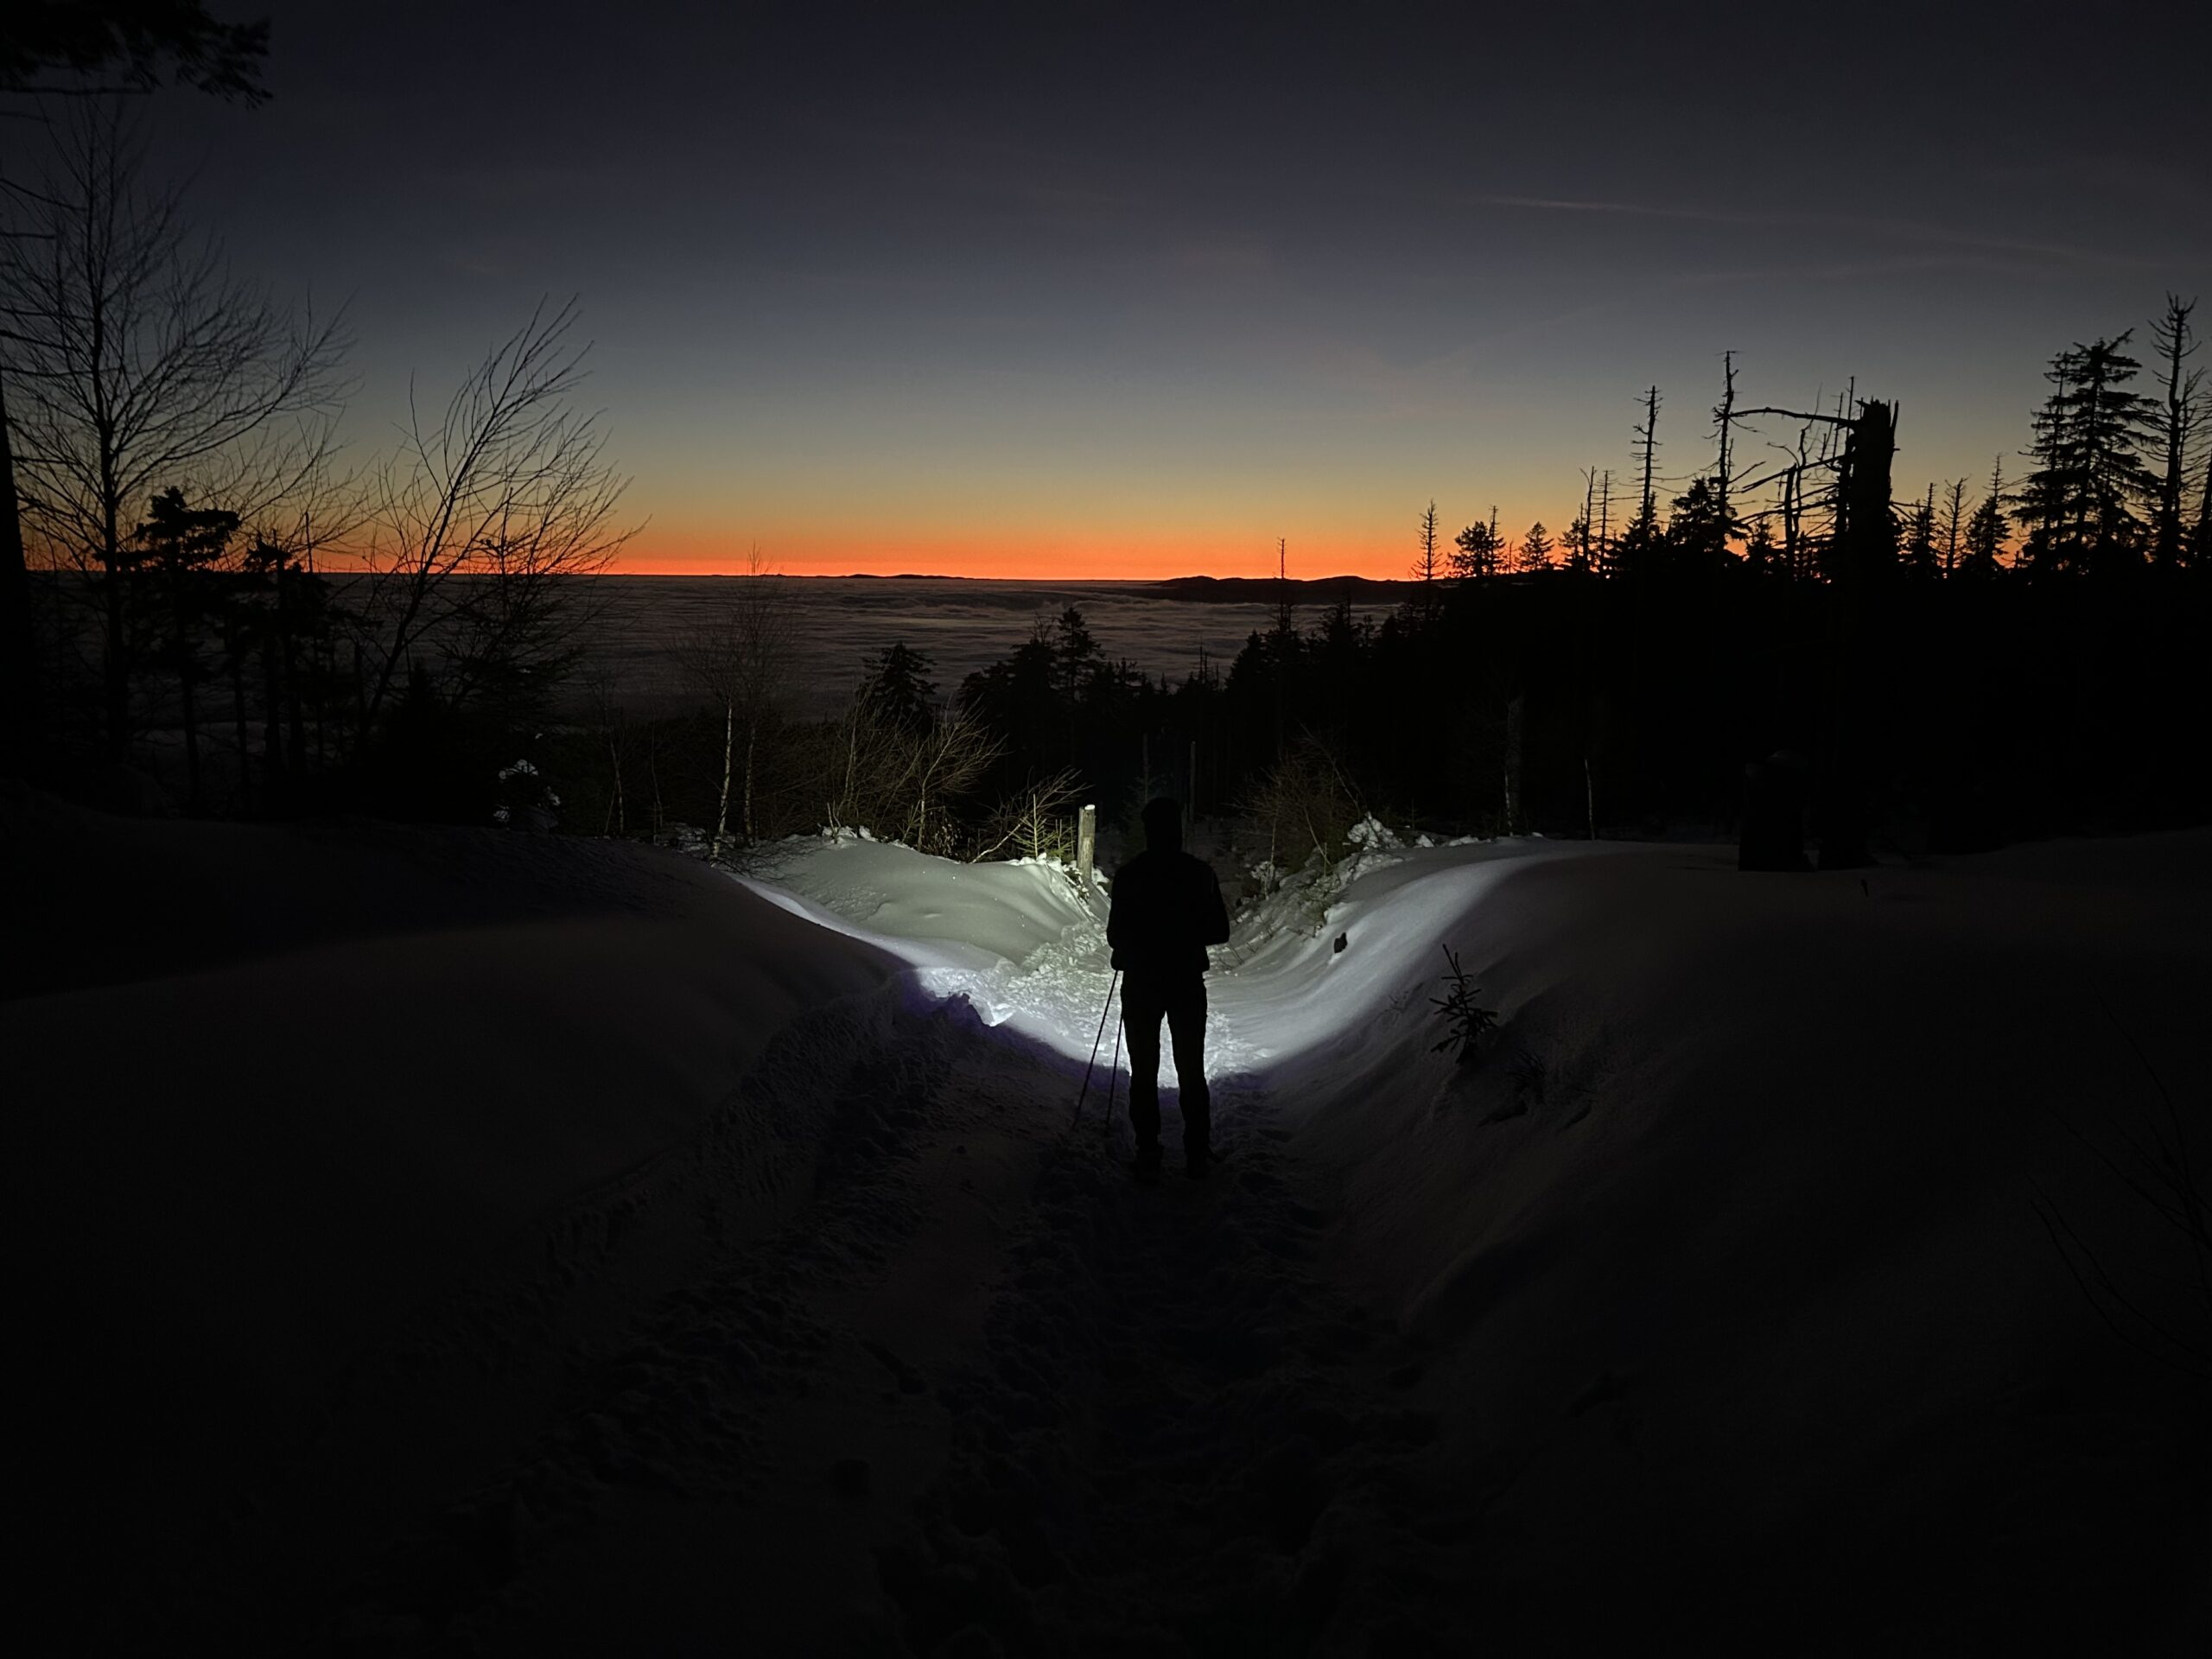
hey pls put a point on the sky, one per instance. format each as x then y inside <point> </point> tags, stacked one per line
<point>1120,291</point>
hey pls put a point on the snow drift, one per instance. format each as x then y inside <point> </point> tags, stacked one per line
<point>281,1094</point>
<point>1717,1293</point>
<point>1729,1247</point>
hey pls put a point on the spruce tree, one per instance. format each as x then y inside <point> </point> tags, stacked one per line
<point>2077,505</point>
<point>1479,552</point>
<point>1536,549</point>
<point>1985,537</point>
<point>1919,560</point>
<point>1698,531</point>
<point>1426,567</point>
<point>1077,652</point>
<point>897,685</point>
<point>1577,544</point>
<point>1760,553</point>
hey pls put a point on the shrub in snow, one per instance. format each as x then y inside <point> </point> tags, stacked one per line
<point>525,800</point>
<point>1036,821</point>
<point>1466,1024</point>
<point>1305,808</point>
<point>1371,834</point>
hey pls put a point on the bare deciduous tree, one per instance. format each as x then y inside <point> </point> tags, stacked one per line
<point>903,776</point>
<point>1035,821</point>
<point>740,655</point>
<point>136,363</point>
<point>2177,428</point>
<point>481,519</point>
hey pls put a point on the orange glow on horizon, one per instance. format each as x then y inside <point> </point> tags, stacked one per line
<point>1010,555</point>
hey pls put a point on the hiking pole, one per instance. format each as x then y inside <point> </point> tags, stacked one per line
<point>1095,1041</point>
<point>1113,1076</point>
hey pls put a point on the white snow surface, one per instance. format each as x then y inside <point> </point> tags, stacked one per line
<point>1019,941</point>
<point>570,1212</point>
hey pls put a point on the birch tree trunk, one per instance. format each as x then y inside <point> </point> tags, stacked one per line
<point>721,815</point>
<point>751,738</point>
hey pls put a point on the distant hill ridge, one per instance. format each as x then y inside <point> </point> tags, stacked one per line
<point>1250,589</point>
<point>1223,590</point>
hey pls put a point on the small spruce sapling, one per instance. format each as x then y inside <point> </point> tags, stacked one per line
<point>1468,1023</point>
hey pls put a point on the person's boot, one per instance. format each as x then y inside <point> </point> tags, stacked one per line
<point>1148,1159</point>
<point>1196,1161</point>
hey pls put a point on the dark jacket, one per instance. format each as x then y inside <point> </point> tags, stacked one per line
<point>1166,909</point>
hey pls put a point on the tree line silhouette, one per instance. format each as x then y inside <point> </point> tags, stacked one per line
<point>191,591</point>
<point>1937,672</point>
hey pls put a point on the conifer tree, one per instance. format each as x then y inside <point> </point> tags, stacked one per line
<point>1576,543</point>
<point>1604,546</point>
<point>1077,652</point>
<point>897,686</point>
<point>2077,504</point>
<point>1536,549</point>
<point>1478,552</point>
<point>178,548</point>
<point>1698,531</point>
<point>1919,560</point>
<point>1427,567</point>
<point>1760,553</point>
<point>1985,536</point>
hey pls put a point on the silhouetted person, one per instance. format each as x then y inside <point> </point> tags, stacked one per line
<point>1166,910</point>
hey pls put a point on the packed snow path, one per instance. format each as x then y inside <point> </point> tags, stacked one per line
<point>682,1275</point>
<point>984,1387</point>
<point>983,1378</point>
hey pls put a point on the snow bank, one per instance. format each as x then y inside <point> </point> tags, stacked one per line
<point>1018,939</point>
<point>1726,1252</point>
<point>1729,1246</point>
<point>276,1091</point>
<point>1721,1266</point>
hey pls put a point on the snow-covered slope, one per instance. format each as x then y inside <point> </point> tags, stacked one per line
<point>1021,941</point>
<point>629,1202</point>
<point>282,1095</point>
<point>1728,1250</point>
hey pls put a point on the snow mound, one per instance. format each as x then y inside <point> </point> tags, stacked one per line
<point>1019,942</point>
<point>286,1090</point>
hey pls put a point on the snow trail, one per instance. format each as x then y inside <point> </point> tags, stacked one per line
<point>881,1357</point>
<point>1171,1442</point>
<point>983,1378</point>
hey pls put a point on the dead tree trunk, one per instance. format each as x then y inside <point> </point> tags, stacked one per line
<point>1864,565</point>
<point>2172,333</point>
<point>1650,432</point>
<point>1724,414</point>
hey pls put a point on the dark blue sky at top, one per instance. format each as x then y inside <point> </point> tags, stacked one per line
<point>1209,273</point>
